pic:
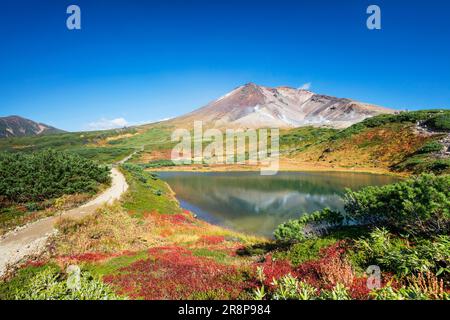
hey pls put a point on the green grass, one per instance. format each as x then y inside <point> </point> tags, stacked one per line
<point>114,265</point>
<point>81,143</point>
<point>299,139</point>
<point>423,163</point>
<point>148,193</point>
<point>440,123</point>
<point>384,119</point>
<point>86,144</point>
<point>217,256</point>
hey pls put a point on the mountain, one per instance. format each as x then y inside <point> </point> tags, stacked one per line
<point>254,106</point>
<point>15,126</point>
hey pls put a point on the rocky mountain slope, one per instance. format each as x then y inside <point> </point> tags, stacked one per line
<point>15,126</point>
<point>254,106</point>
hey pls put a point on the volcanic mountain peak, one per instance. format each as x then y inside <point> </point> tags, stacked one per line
<point>254,106</point>
<point>15,126</point>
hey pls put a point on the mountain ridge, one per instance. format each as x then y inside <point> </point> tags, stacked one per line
<point>16,126</point>
<point>255,106</point>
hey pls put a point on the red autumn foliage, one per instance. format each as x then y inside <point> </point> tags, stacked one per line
<point>88,257</point>
<point>358,289</point>
<point>331,268</point>
<point>172,219</point>
<point>175,273</point>
<point>34,263</point>
<point>275,269</point>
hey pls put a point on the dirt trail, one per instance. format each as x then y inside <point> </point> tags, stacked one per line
<point>31,239</point>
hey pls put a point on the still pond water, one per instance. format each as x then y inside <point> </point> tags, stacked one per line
<point>255,204</point>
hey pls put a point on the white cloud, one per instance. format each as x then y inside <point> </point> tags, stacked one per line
<point>305,86</point>
<point>104,124</point>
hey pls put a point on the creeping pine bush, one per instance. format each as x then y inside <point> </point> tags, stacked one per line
<point>432,146</point>
<point>48,174</point>
<point>419,205</point>
<point>416,206</point>
<point>308,226</point>
<point>440,122</point>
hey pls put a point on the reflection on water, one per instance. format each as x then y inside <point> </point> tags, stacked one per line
<point>251,203</point>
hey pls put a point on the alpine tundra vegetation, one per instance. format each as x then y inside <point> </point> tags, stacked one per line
<point>148,247</point>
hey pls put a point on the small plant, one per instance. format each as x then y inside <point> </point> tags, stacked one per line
<point>339,292</point>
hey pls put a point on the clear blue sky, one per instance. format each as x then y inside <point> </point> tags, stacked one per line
<point>148,60</point>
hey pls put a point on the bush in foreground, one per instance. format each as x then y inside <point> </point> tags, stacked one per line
<point>49,283</point>
<point>417,206</point>
<point>48,174</point>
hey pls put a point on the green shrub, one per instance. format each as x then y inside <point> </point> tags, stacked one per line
<point>290,288</point>
<point>48,283</point>
<point>430,147</point>
<point>429,116</point>
<point>411,292</point>
<point>304,251</point>
<point>48,174</point>
<point>401,256</point>
<point>159,163</point>
<point>440,122</point>
<point>308,226</point>
<point>419,205</point>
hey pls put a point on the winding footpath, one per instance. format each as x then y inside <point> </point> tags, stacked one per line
<point>32,238</point>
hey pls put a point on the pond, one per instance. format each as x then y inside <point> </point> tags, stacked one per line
<point>255,204</point>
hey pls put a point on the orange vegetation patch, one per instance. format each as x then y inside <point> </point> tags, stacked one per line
<point>162,154</point>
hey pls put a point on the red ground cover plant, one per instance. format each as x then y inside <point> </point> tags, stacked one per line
<point>35,263</point>
<point>173,272</point>
<point>331,268</point>
<point>275,269</point>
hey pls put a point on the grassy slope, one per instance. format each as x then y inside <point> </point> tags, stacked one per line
<point>384,143</point>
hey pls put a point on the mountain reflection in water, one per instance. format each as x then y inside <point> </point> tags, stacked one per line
<point>255,204</point>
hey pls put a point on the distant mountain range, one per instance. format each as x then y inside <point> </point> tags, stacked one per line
<point>15,126</point>
<point>254,106</point>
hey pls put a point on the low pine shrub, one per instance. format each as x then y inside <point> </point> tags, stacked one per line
<point>48,174</point>
<point>308,226</point>
<point>419,205</point>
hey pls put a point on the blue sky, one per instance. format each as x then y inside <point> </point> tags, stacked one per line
<point>148,60</point>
